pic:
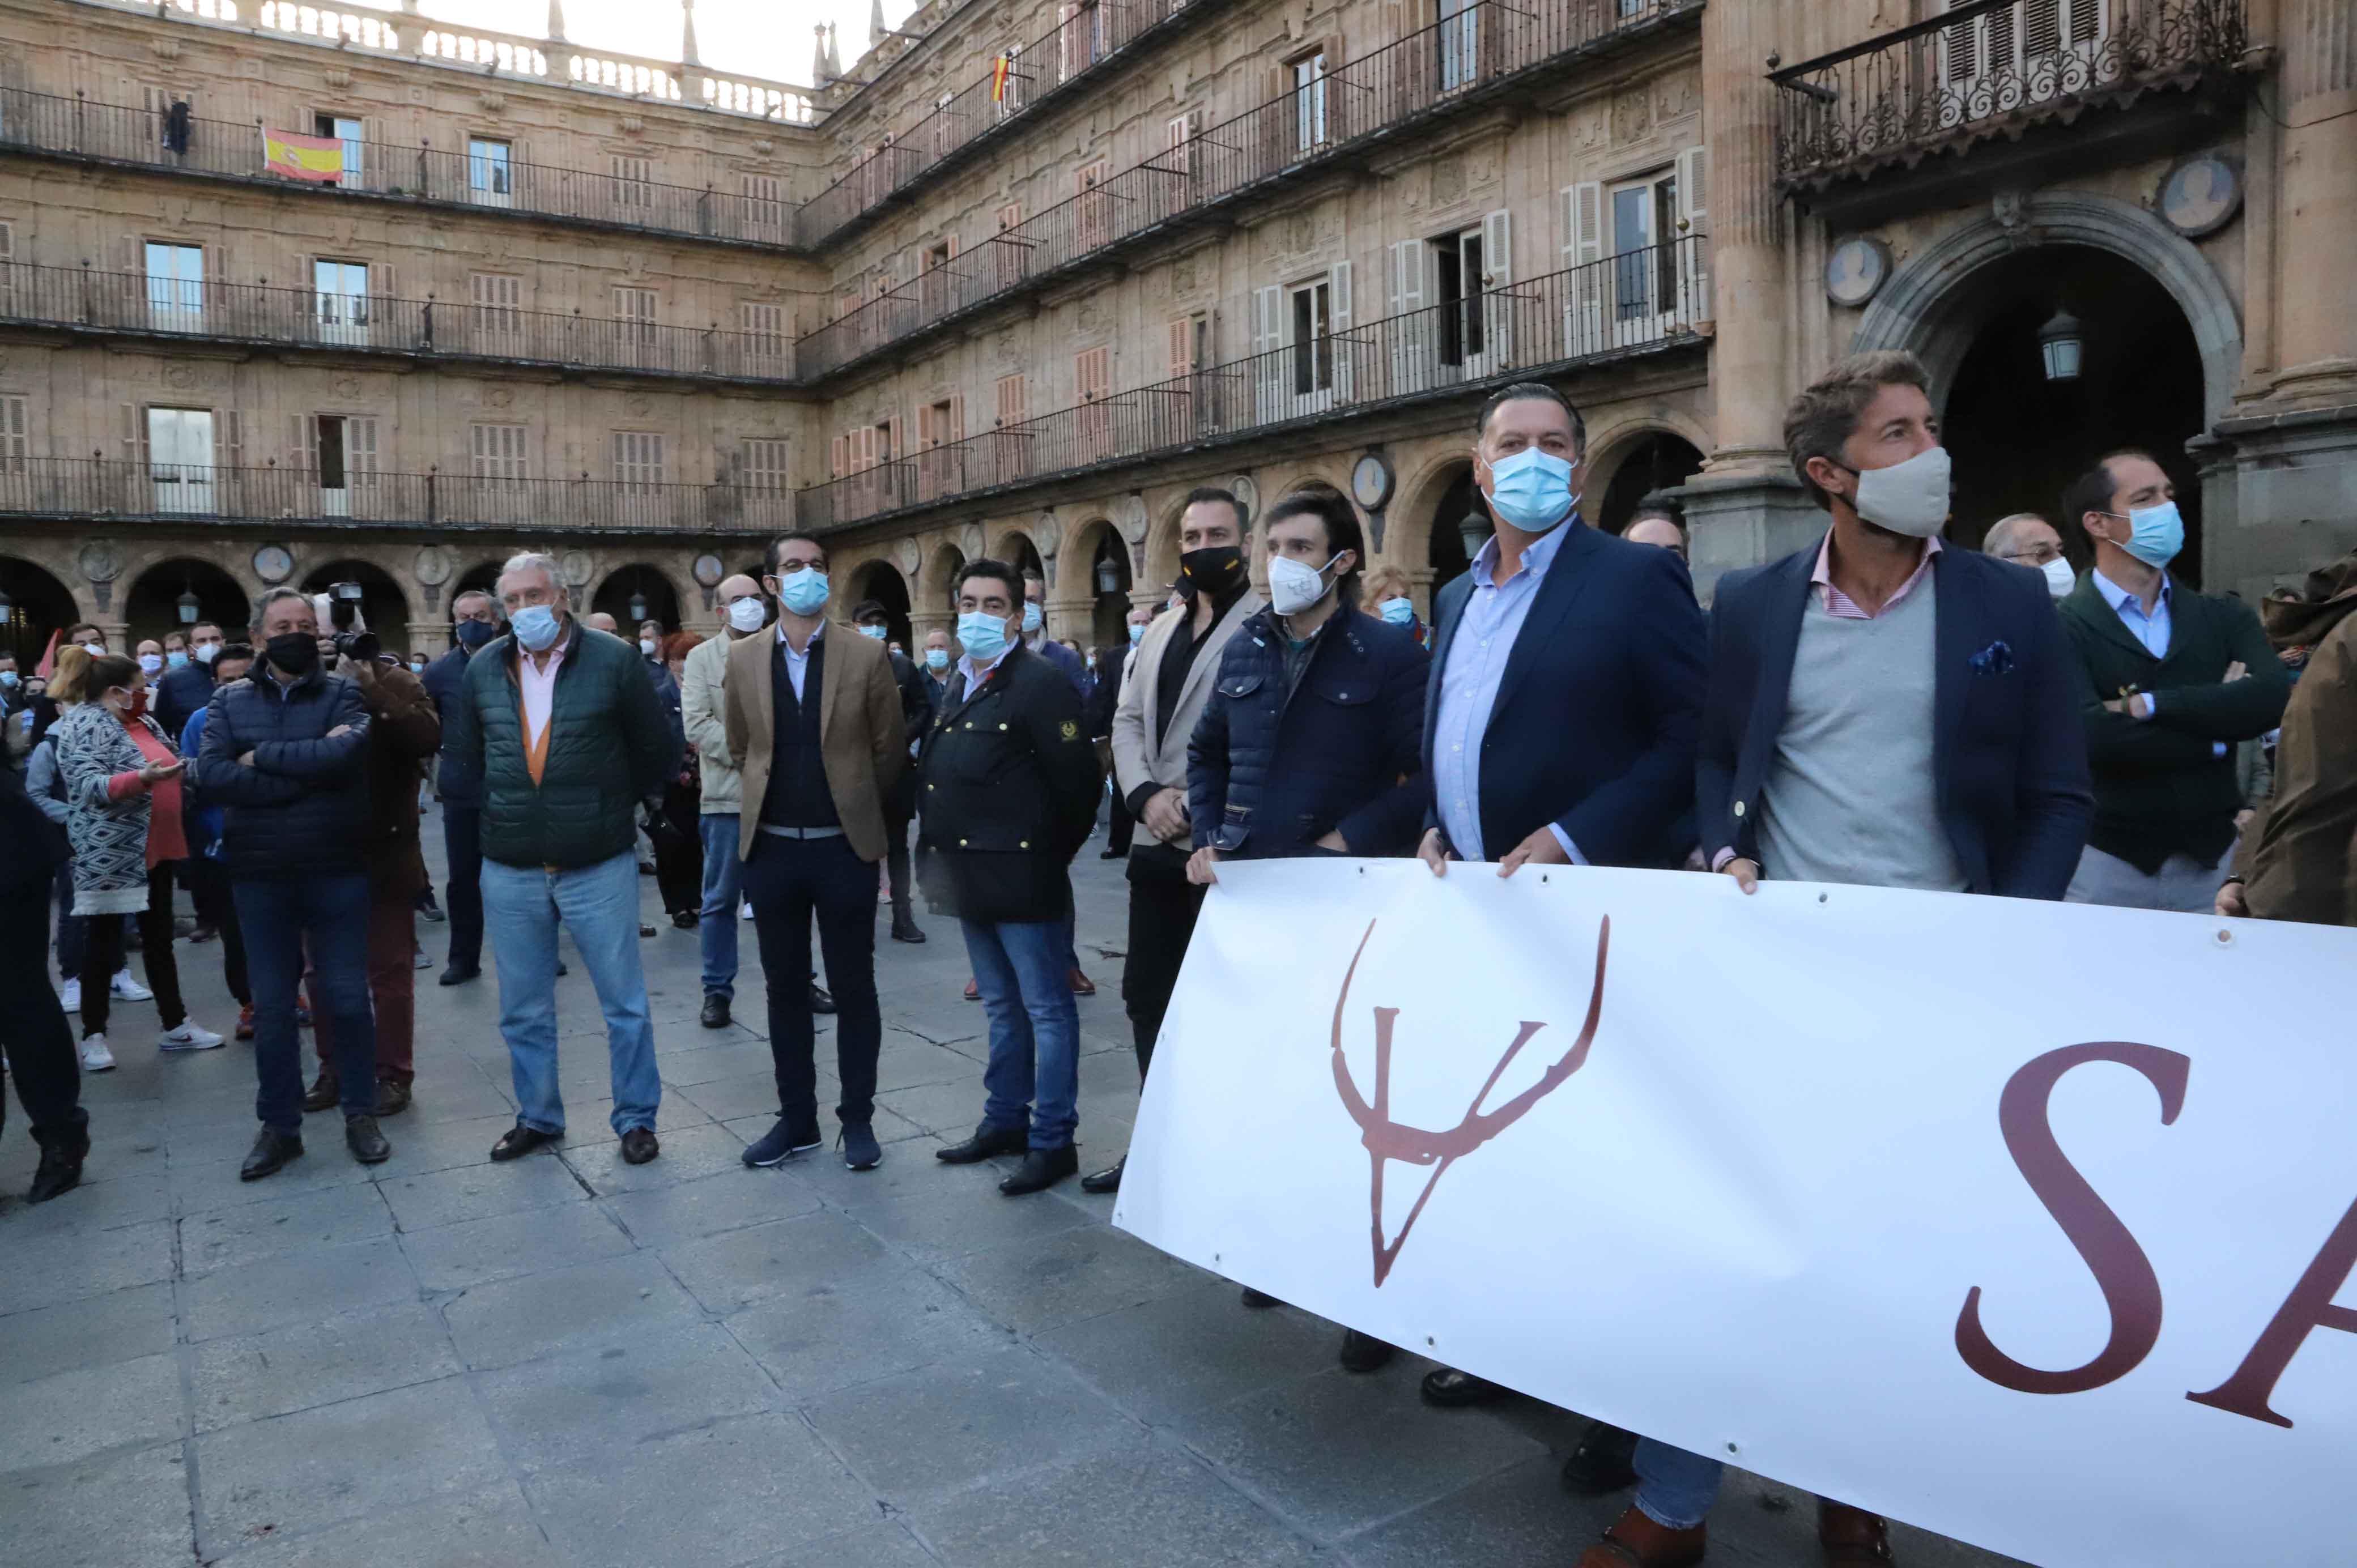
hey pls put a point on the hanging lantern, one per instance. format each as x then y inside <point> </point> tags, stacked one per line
<point>638,607</point>
<point>1108,575</point>
<point>187,606</point>
<point>1475,531</point>
<point>2062,345</point>
<point>8,608</point>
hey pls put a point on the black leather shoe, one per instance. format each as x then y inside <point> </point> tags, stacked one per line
<point>1107,1180</point>
<point>564,967</point>
<point>366,1142</point>
<point>820,1001</point>
<point>323,1093</point>
<point>1364,1352</point>
<point>861,1152</point>
<point>460,976</point>
<point>61,1168</point>
<point>986,1141</point>
<point>904,924</point>
<point>520,1140</point>
<point>715,1010</point>
<point>1452,1389</point>
<point>639,1147</point>
<point>1602,1463</point>
<point>1041,1169</point>
<point>1111,854</point>
<point>271,1151</point>
<point>1258,1300</point>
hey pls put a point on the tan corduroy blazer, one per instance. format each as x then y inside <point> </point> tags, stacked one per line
<point>862,746</point>
<point>1137,759</point>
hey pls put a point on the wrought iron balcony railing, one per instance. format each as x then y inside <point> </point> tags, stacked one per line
<point>1989,64</point>
<point>480,175</point>
<point>1484,48</point>
<point>132,304</point>
<point>1640,302</point>
<point>97,490</point>
<point>1037,73</point>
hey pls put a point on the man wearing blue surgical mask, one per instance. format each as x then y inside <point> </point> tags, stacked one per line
<point>2170,681</point>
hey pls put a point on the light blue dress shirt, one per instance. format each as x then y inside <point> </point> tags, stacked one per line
<point>1484,640</point>
<point>798,664</point>
<point>2152,630</point>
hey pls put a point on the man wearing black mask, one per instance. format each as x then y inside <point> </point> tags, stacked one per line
<point>476,621</point>
<point>1162,697</point>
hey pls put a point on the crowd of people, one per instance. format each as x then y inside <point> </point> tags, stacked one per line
<point>2054,716</point>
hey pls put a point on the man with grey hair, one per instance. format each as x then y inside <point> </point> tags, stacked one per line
<point>2026,539</point>
<point>563,728</point>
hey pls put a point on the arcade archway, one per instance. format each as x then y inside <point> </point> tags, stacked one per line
<point>1100,548</point>
<point>39,606</point>
<point>1461,521</point>
<point>381,600</point>
<point>1659,461</point>
<point>881,581</point>
<point>156,603</point>
<point>637,593</point>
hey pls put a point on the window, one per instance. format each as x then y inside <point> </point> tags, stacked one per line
<point>180,459</point>
<point>489,177</point>
<point>1011,447</point>
<point>175,287</point>
<point>1461,42</point>
<point>16,438</point>
<point>339,298</point>
<point>761,463</point>
<point>635,310</point>
<point>943,122</point>
<point>1457,268</point>
<point>1644,266</point>
<point>2019,44</point>
<point>1090,212</point>
<point>7,269</point>
<point>1010,100</point>
<point>936,281</point>
<point>159,117</point>
<point>638,457</point>
<point>497,452</point>
<point>764,329</point>
<point>881,443</point>
<point>342,454</point>
<point>1092,385</point>
<point>350,133</point>
<point>1178,141</point>
<point>1310,101</point>
<point>765,206</point>
<point>496,313</point>
<point>634,188</point>
<point>1012,402</point>
<point>1313,338</point>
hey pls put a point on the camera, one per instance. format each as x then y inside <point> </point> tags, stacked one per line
<point>343,614</point>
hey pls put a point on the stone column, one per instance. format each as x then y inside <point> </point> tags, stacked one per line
<point>431,637</point>
<point>1745,503</point>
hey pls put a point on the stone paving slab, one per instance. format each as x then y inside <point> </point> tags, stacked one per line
<point>567,1361</point>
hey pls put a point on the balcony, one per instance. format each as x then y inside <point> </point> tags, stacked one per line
<point>1988,69</point>
<point>976,116</point>
<point>481,176</point>
<point>84,303</point>
<point>1636,304</point>
<point>1486,51</point>
<point>89,490</point>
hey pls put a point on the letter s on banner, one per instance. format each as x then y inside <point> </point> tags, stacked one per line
<point>2131,1290</point>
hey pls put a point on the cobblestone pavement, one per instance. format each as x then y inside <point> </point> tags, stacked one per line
<point>568,1361</point>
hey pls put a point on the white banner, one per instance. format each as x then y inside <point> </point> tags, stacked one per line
<point>2017,1221</point>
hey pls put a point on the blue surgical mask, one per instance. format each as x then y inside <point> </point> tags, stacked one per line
<point>983,636</point>
<point>2156,533</point>
<point>874,632</point>
<point>937,657</point>
<point>1532,490</point>
<point>535,626</point>
<point>804,591</point>
<point>1137,633</point>
<point>473,634</point>
<point>176,660</point>
<point>8,678</point>
<point>1032,619</point>
<point>1399,612</point>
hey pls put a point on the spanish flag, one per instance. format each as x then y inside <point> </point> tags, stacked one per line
<point>998,69</point>
<point>316,158</point>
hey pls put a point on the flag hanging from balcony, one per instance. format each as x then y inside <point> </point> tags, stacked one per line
<point>316,158</point>
<point>998,70</point>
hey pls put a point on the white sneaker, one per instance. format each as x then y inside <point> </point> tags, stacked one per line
<point>188,1036</point>
<point>95,1057</point>
<point>129,990</point>
<point>74,997</point>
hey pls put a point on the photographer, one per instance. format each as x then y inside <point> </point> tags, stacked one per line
<point>287,752</point>
<point>403,732</point>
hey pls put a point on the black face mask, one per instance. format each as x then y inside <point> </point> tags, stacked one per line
<point>1214,569</point>
<point>474,634</point>
<point>295,652</point>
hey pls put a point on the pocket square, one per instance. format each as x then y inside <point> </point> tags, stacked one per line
<point>1996,659</point>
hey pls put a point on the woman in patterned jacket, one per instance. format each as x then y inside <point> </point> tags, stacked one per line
<point>123,813</point>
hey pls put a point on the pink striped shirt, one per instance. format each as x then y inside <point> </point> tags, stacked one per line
<point>1840,606</point>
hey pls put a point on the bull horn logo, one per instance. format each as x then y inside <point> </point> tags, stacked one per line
<point>1388,1140</point>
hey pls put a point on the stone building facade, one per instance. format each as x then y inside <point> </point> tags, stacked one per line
<point>1027,276</point>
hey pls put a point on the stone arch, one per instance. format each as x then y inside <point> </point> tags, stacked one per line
<point>39,607</point>
<point>483,578</point>
<point>1654,441</point>
<point>938,584</point>
<point>1094,613</point>
<point>151,606</point>
<point>1925,306</point>
<point>880,580</point>
<point>637,580</point>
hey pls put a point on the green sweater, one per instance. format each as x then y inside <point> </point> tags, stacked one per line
<point>2161,785</point>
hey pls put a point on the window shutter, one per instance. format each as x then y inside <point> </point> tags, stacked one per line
<point>383,280</point>
<point>1067,36</point>
<point>894,441</point>
<point>233,437</point>
<point>1959,47</point>
<point>837,457</point>
<point>1182,348</point>
<point>303,450</point>
<point>132,257</point>
<point>957,416</point>
<point>1694,210</point>
<point>1345,345</point>
<point>2082,22</point>
<point>1271,372</point>
<point>1584,250</point>
<point>135,435</point>
<point>1498,249</point>
<point>1412,349</point>
<point>360,444</point>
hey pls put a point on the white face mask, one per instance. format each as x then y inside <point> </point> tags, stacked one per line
<point>746,615</point>
<point>208,651</point>
<point>1295,585</point>
<point>2059,580</point>
<point>151,663</point>
<point>1909,498</point>
<point>647,645</point>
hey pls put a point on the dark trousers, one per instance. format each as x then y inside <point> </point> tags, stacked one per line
<point>462,891</point>
<point>1120,827</point>
<point>896,858</point>
<point>332,913</point>
<point>679,863</point>
<point>1162,911</point>
<point>788,880</point>
<point>393,990</point>
<point>33,1030</point>
<point>208,885</point>
<point>71,928</point>
<point>103,955</point>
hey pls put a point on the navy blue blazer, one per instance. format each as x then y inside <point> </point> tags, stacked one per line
<point>1594,725</point>
<point>2007,744</point>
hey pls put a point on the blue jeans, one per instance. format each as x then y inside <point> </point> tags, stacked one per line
<point>717,927</point>
<point>1674,1488</point>
<point>599,905</point>
<point>277,918</point>
<point>1035,1030</point>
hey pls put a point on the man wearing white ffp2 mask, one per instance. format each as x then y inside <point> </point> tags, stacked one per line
<point>2027,540</point>
<point>744,612</point>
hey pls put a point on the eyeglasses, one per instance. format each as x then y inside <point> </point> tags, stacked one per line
<point>2036,555</point>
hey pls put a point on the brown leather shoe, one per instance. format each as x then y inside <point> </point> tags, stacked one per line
<point>1081,984</point>
<point>974,991</point>
<point>1852,1538</point>
<point>325,1093</point>
<point>1636,1542</point>
<point>392,1097</point>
